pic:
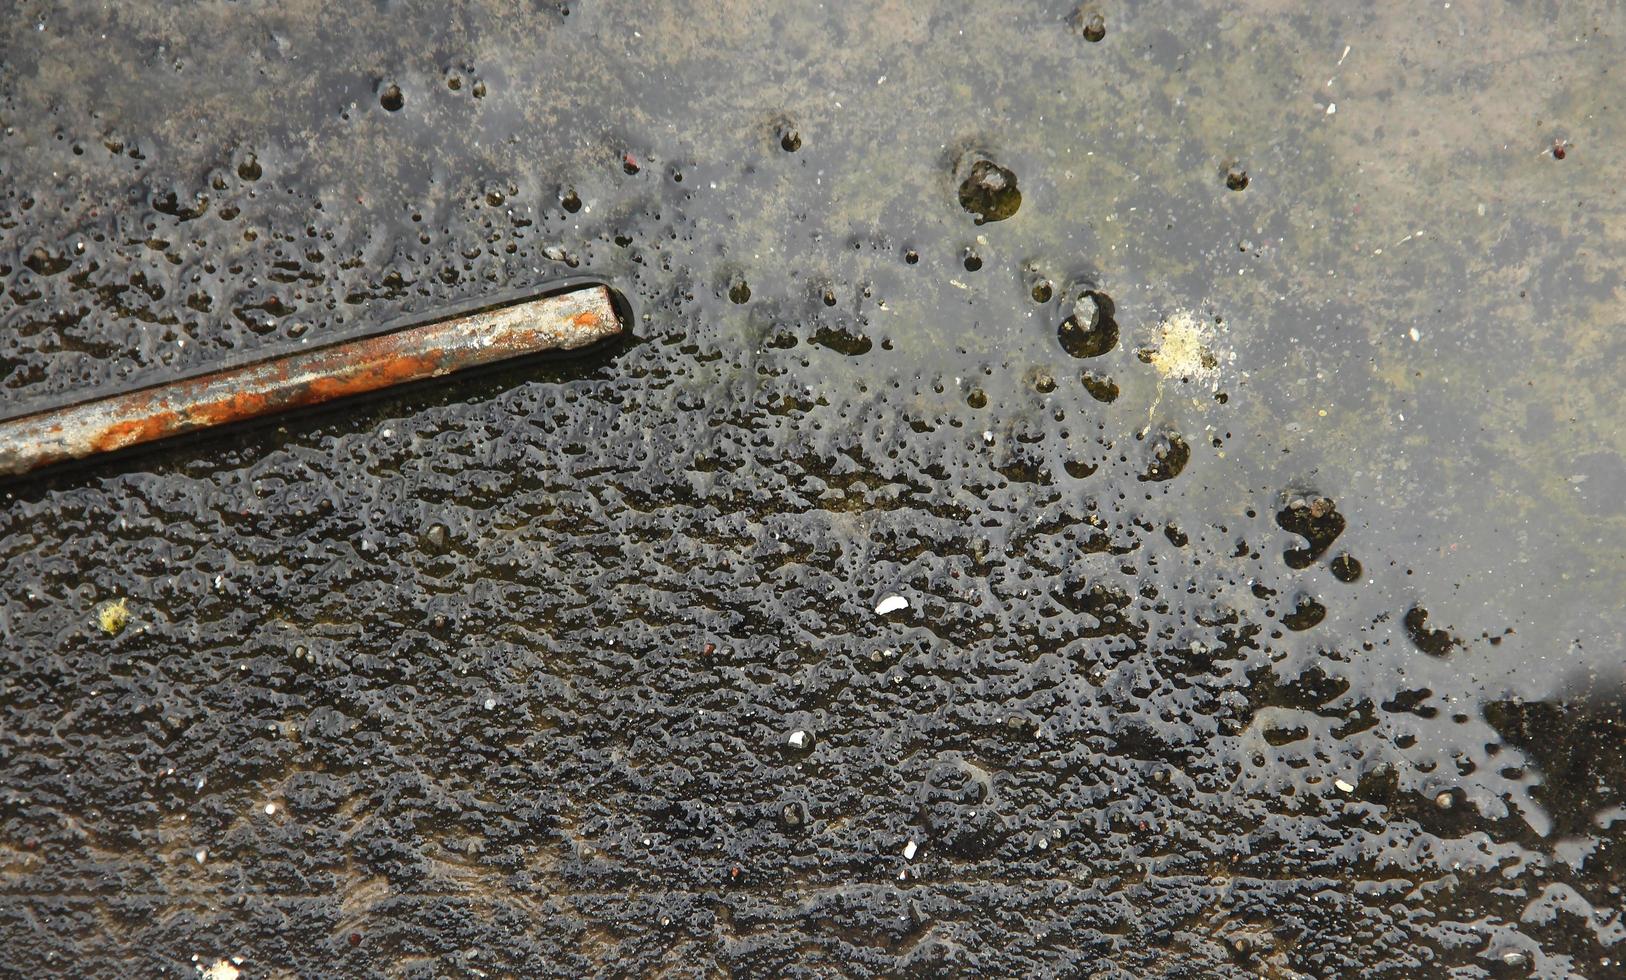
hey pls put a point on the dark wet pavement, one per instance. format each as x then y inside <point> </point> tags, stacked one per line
<point>1262,540</point>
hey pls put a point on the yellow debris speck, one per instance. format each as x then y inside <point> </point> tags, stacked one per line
<point>1185,349</point>
<point>222,970</point>
<point>112,616</point>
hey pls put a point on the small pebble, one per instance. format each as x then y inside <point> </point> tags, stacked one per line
<point>891,604</point>
<point>909,851</point>
<point>799,740</point>
<point>435,537</point>
<point>491,703</point>
<point>112,616</point>
<point>1343,786</point>
<point>221,970</point>
<point>1445,800</point>
<point>270,808</point>
<point>202,855</point>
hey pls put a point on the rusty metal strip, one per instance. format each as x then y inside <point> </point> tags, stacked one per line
<point>563,322</point>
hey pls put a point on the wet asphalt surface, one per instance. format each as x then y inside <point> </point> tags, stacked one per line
<point>1234,397</point>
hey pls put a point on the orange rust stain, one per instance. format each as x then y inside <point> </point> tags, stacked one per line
<point>371,377</point>
<point>237,405</point>
<point>586,318</point>
<point>341,379</point>
<point>131,431</point>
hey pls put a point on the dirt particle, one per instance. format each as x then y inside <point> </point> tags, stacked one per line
<point>43,263</point>
<point>1434,642</point>
<point>1307,612</point>
<point>1100,387</point>
<point>1237,179</point>
<point>113,616</point>
<point>1095,27</point>
<point>1185,349</point>
<point>989,192</point>
<point>1345,568</point>
<point>221,970</point>
<point>789,137</point>
<point>1170,454</point>
<point>390,98</point>
<point>842,341</point>
<point>1090,329</point>
<point>1315,519</point>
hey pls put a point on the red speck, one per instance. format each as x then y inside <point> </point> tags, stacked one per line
<point>1560,148</point>
<point>629,163</point>
<point>735,873</point>
<point>709,649</point>
<point>355,939</point>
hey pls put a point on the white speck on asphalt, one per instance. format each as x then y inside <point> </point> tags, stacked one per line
<point>891,604</point>
<point>221,970</point>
